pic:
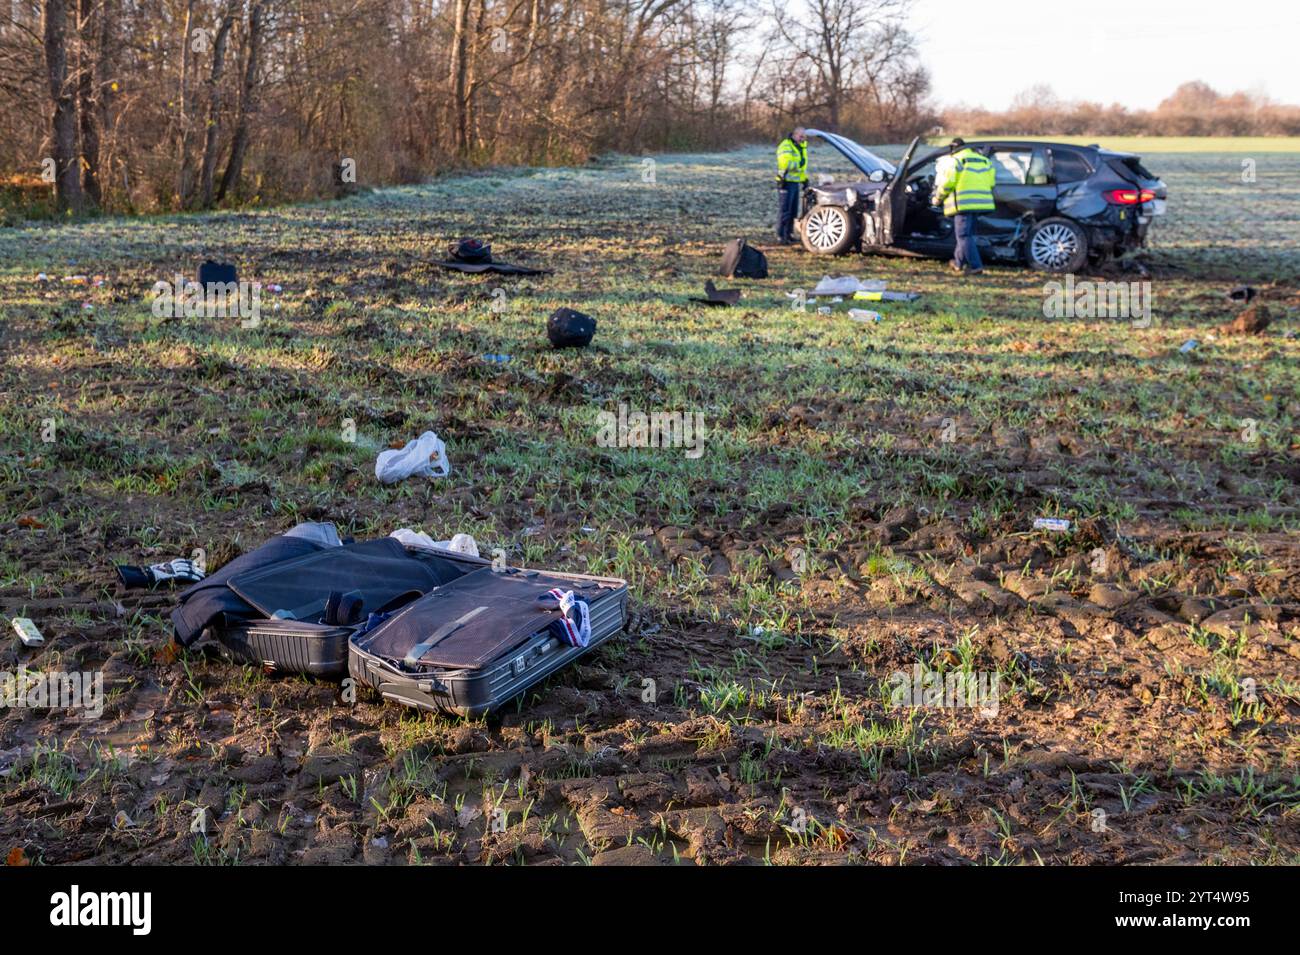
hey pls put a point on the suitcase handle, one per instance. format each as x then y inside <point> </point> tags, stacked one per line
<point>405,689</point>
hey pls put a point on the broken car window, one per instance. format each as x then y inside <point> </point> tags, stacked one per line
<point>1011,166</point>
<point>1038,169</point>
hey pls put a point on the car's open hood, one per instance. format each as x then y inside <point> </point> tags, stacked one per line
<point>868,162</point>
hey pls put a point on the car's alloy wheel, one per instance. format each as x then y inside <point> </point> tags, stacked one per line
<point>1054,246</point>
<point>826,229</point>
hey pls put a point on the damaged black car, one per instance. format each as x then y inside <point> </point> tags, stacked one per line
<point>1060,207</point>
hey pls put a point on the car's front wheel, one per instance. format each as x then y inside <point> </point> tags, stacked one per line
<point>828,230</point>
<point>1057,245</point>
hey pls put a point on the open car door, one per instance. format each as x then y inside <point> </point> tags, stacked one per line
<point>891,206</point>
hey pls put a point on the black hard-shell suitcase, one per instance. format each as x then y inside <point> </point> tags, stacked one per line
<point>284,625</point>
<point>497,642</point>
<point>291,646</point>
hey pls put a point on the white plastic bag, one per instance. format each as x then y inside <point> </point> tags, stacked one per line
<point>460,543</point>
<point>426,456</point>
<point>846,285</point>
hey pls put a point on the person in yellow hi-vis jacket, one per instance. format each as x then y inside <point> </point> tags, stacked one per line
<point>963,182</point>
<point>791,174</point>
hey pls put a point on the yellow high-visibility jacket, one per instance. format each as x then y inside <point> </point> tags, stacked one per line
<point>792,161</point>
<point>965,182</point>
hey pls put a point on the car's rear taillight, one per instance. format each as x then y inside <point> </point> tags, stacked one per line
<point>1130,197</point>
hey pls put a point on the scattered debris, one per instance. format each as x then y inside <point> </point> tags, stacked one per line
<point>27,632</point>
<point>460,543</point>
<point>470,250</point>
<point>717,297</point>
<point>1250,321</point>
<point>1051,524</point>
<point>467,814</point>
<point>568,328</point>
<point>475,255</point>
<point>216,273</point>
<point>846,285</point>
<point>742,260</point>
<point>175,571</point>
<point>869,296</point>
<point>426,456</point>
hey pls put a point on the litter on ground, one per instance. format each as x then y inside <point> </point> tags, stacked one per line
<point>426,456</point>
<point>846,285</point>
<point>1051,524</point>
<point>872,296</point>
<point>475,256</point>
<point>717,297</point>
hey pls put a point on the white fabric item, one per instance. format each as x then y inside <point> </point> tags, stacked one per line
<point>575,615</point>
<point>846,285</point>
<point>416,539</point>
<point>460,543</point>
<point>426,456</point>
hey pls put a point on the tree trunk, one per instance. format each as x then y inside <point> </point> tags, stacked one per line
<point>67,185</point>
<point>212,134</point>
<point>247,101</point>
<point>88,97</point>
<point>460,77</point>
<point>184,173</point>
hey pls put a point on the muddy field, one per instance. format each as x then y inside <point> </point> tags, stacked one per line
<point>863,507</point>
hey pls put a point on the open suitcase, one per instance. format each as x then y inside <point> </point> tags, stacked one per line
<point>471,645</point>
<point>429,628</point>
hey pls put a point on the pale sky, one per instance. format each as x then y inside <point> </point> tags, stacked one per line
<point>1133,52</point>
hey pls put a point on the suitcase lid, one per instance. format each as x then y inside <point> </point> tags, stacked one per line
<point>471,621</point>
<point>379,571</point>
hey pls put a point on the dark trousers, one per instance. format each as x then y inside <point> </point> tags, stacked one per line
<point>789,211</point>
<point>967,253</point>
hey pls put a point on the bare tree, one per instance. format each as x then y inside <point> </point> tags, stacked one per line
<point>90,47</point>
<point>254,38</point>
<point>63,125</point>
<point>827,47</point>
<point>273,94</point>
<point>211,137</point>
